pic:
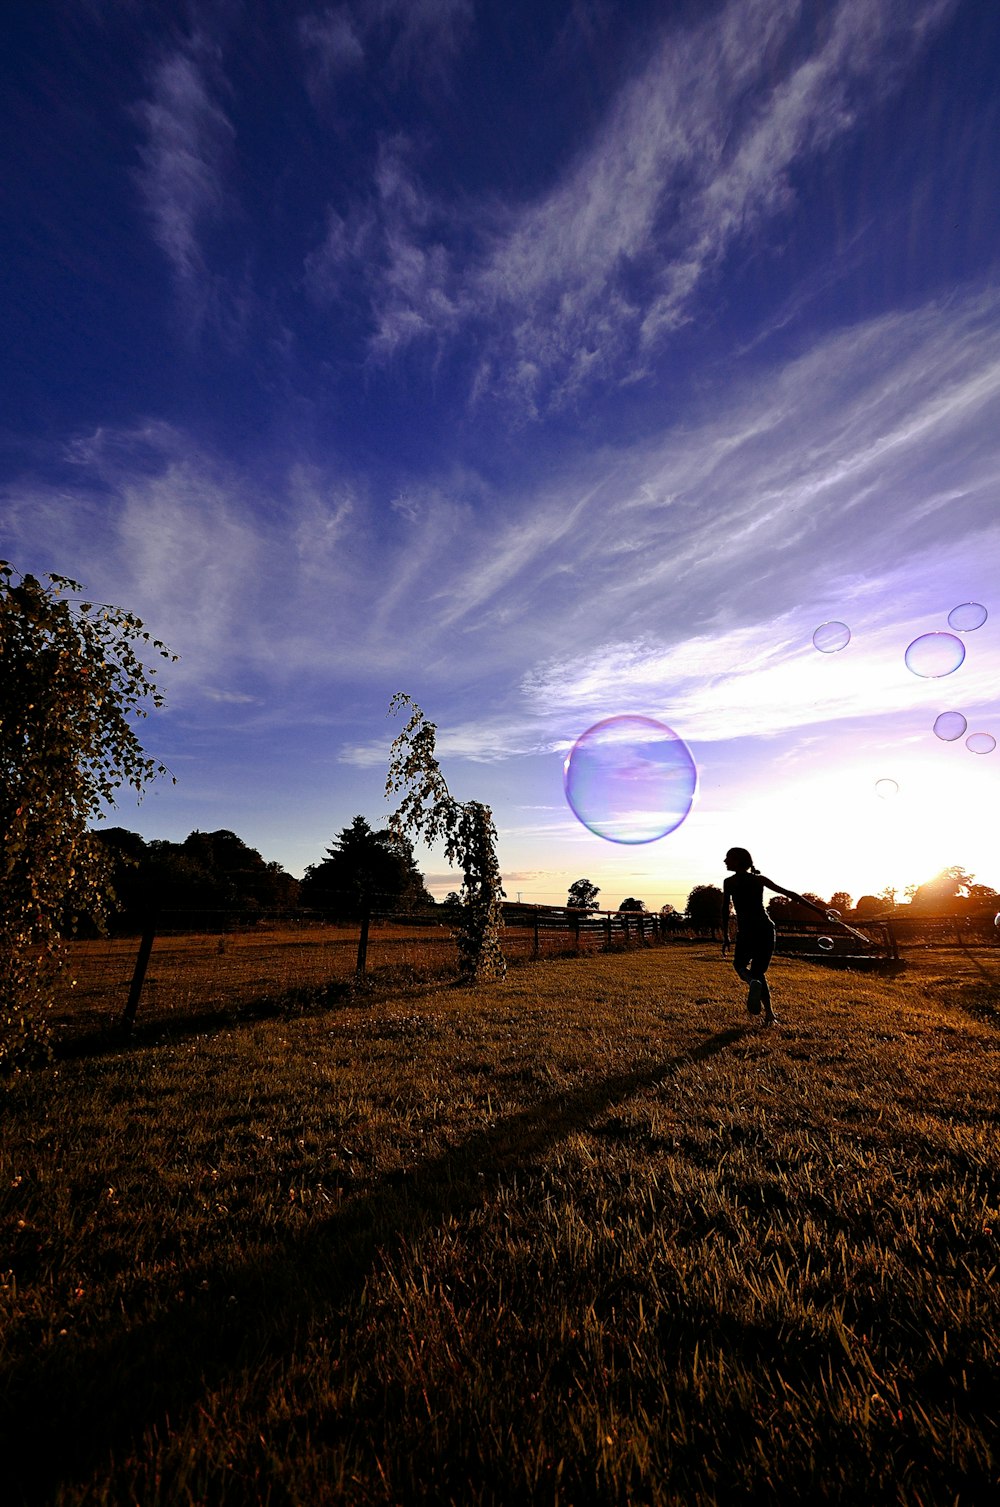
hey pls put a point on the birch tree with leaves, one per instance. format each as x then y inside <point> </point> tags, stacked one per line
<point>429,810</point>
<point>72,684</point>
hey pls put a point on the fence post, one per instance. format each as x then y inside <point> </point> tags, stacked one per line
<point>139,973</point>
<point>607,929</point>
<point>576,929</point>
<point>535,952</point>
<point>363,940</point>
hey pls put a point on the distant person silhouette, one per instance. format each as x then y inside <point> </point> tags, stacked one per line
<point>743,890</point>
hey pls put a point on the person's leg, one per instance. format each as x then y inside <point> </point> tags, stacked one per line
<point>762,955</point>
<point>743,963</point>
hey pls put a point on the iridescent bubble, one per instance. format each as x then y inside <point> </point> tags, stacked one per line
<point>829,637</point>
<point>968,616</point>
<point>630,779</point>
<point>949,726</point>
<point>935,654</point>
<point>996,920</point>
<point>886,789</point>
<point>825,944</point>
<point>981,743</point>
<point>832,914</point>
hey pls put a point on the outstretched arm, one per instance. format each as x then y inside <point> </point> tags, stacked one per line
<point>791,895</point>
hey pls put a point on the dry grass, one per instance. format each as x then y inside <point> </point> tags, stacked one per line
<point>588,1235</point>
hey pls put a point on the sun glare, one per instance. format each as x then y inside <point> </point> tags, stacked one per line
<point>864,829</point>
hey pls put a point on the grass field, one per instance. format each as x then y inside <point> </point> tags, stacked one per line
<point>197,972</point>
<point>590,1235</point>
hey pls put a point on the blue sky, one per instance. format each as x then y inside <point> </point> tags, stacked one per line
<point>547,362</point>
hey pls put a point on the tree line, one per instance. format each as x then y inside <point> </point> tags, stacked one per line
<point>218,871</point>
<point>952,892</point>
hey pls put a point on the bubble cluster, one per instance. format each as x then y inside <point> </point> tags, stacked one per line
<point>934,654</point>
<point>950,726</point>
<point>967,617</point>
<point>829,637</point>
<point>886,789</point>
<point>630,779</point>
<point>981,743</point>
<point>825,944</point>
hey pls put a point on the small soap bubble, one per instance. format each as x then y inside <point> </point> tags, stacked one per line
<point>829,637</point>
<point>825,944</point>
<point>950,726</point>
<point>832,914</point>
<point>886,789</point>
<point>934,654</point>
<point>981,743</point>
<point>630,779</point>
<point>967,617</point>
<point>996,920</point>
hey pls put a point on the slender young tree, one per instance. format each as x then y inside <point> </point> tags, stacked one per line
<point>71,684</point>
<point>429,810</point>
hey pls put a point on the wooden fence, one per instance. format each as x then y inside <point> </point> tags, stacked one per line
<point>189,963</point>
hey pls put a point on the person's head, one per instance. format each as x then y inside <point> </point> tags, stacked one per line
<point>739,860</point>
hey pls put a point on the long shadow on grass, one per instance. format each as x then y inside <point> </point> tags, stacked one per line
<point>66,1413</point>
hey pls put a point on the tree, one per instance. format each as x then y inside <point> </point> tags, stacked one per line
<point>632,904</point>
<point>946,894</point>
<point>841,900</point>
<point>582,895</point>
<point>869,906</point>
<point>71,684</point>
<point>705,907</point>
<point>365,868</point>
<point>466,828</point>
<point>207,871</point>
<point>254,882</point>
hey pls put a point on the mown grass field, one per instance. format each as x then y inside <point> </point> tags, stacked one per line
<point>590,1235</point>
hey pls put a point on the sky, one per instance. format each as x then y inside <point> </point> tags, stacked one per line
<point>547,362</point>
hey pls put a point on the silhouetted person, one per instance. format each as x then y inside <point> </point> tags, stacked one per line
<point>744,890</point>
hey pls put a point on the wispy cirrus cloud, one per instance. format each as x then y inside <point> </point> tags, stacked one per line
<point>847,483</point>
<point>399,35</point>
<point>185,156</point>
<point>694,160</point>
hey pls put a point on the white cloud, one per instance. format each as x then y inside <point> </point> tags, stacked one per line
<point>693,159</point>
<point>332,44</point>
<point>401,37</point>
<point>682,578</point>
<point>185,156</point>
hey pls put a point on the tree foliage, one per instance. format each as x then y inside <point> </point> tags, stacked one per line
<point>207,871</point>
<point>365,869</point>
<point>582,895</point>
<point>72,683</point>
<point>704,907</point>
<point>632,904</point>
<point>466,829</point>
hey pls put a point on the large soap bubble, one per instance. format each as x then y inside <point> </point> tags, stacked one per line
<point>981,743</point>
<point>825,944</point>
<point>935,654</point>
<point>949,726</point>
<point>630,779</point>
<point>967,617</point>
<point>886,789</point>
<point>829,637</point>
